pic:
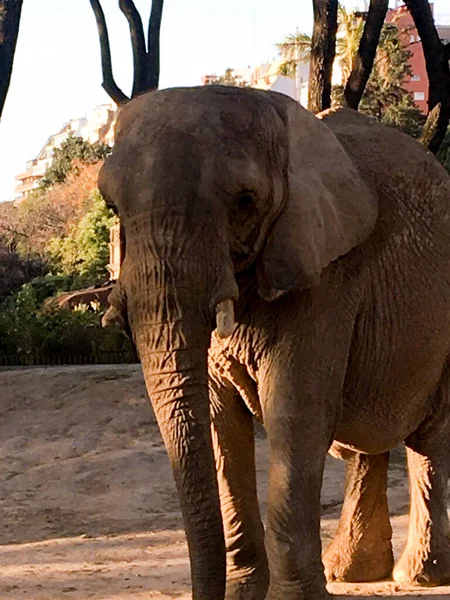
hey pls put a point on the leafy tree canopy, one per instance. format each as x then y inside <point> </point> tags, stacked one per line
<point>385,96</point>
<point>65,226</point>
<point>84,250</point>
<point>73,151</point>
<point>27,326</point>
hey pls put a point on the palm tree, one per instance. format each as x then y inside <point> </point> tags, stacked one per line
<point>350,30</point>
<point>296,47</point>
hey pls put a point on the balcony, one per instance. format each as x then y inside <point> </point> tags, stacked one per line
<point>24,188</point>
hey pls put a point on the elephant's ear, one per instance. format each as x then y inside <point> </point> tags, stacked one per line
<point>329,208</point>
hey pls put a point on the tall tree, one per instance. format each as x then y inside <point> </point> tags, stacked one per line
<point>364,58</point>
<point>357,39</point>
<point>437,57</point>
<point>295,48</point>
<point>323,50</point>
<point>10,11</point>
<point>385,96</point>
<point>350,30</point>
<point>146,57</point>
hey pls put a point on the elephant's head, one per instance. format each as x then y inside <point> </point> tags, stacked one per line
<point>209,182</point>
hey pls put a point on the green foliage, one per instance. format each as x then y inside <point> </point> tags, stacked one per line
<point>385,96</point>
<point>295,48</point>
<point>73,149</point>
<point>85,251</point>
<point>15,271</point>
<point>443,155</point>
<point>67,226</point>
<point>350,30</point>
<point>43,287</point>
<point>28,328</point>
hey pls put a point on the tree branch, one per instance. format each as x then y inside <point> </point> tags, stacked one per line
<point>10,11</point>
<point>137,44</point>
<point>108,84</point>
<point>153,58</point>
<point>365,57</point>
<point>438,71</point>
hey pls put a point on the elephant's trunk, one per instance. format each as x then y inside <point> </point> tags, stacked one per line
<point>173,353</point>
<point>169,287</point>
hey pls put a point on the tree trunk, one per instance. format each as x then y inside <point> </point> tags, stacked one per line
<point>367,50</point>
<point>323,50</point>
<point>437,63</point>
<point>10,11</point>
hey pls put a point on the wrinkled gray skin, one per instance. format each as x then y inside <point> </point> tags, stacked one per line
<point>333,239</point>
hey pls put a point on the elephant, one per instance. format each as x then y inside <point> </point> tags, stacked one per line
<point>293,269</point>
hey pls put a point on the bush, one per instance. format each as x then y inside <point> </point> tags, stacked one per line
<point>15,271</point>
<point>84,252</point>
<point>27,328</point>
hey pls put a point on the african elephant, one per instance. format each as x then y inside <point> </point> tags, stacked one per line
<point>296,270</point>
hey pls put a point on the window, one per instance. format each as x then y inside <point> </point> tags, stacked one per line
<point>415,77</point>
<point>419,96</point>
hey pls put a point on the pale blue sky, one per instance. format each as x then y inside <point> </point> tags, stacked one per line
<point>57,72</point>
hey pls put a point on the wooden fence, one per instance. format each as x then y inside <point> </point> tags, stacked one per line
<point>23,359</point>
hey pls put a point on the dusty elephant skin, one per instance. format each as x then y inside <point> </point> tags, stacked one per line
<point>331,238</point>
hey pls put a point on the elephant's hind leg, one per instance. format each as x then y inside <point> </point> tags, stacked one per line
<point>426,558</point>
<point>234,448</point>
<point>362,548</point>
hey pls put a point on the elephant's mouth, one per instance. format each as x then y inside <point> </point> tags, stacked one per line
<point>243,257</point>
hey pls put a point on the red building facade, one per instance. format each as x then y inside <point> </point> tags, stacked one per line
<point>417,83</point>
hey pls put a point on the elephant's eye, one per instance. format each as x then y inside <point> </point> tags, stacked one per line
<point>246,205</point>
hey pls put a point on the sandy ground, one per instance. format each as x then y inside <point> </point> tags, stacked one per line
<point>87,503</point>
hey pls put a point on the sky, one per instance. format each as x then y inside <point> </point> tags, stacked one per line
<point>57,70</point>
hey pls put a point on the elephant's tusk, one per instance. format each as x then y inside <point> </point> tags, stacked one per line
<point>225,318</point>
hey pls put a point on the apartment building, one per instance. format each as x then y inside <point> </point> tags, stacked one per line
<point>97,125</point>
<point>267,75</point>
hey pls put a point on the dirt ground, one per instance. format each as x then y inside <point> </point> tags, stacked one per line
<point>87,503</point>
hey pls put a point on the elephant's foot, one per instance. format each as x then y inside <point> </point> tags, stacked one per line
<point>310,585</point>
<point>249,585</point>
<point>419,567</point>
<point>291,592</point>
<point>364,562</point>
<point>362,549</point>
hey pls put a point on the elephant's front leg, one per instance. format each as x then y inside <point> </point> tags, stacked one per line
<point>299,437</point>
<point>361,549</point>
<point>301,383</point>
<point>234,448</point>
<point>297,458</point>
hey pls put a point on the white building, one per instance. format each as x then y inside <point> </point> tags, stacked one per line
<point>96,126</point>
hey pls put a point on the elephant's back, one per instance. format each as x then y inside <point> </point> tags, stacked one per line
<point>411,185</point>
<point>402,334</point>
